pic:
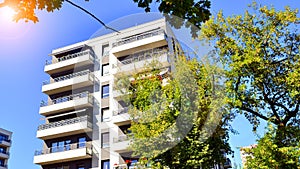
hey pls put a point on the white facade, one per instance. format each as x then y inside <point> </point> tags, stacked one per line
<point>86,122</point>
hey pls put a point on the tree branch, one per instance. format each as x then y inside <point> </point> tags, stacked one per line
<point>255,113</point>
<point>92,15</point>
<point>290,115</point>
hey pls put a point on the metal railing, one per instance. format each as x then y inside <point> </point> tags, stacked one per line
<point>120,138</point>
<point>138,37</point>
<point>66,98</point>
<point>4,152</point>
<point>70,56</point>
<point>67,147</point>
<point>2,165</point>
<point>120,111</point>
<point>5,140</point>
<point>63,123</point>
<point>120,166</point>
<point>144,55</point>
<point>67,77</point>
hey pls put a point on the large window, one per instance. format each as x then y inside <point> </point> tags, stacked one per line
<point>105,115</point>
<point>105,140</point>
<point>105,91</point>
<point>81,142</point>
<point>105,69</point>
<point>60,146</point>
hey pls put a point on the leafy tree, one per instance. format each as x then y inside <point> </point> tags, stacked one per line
<point>260,51</point>
<point>178,123</point>
<point>194,12</point>
<point>268,154</point>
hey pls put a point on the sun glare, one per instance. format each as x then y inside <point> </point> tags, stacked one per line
<point>7,13</point>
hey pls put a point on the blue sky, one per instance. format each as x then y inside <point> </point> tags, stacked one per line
<point>25,47</point>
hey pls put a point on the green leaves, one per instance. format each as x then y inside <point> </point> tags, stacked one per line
<point>261,51</point>
<point>179,124</point>
<point>268,154</point>
<point>179,13</point>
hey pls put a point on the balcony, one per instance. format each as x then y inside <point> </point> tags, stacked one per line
<point>125,46</point>
<point>69,82</point>
<point>3,167</point>
<point>120,116</point>
<point>69,62</point>
<point>67,103</point>
<point>71,152</point>
<point>5,143</point>
<point>120,144</point>
<point>138,61</point>
<point>4,154</point>
<point>64,128</point>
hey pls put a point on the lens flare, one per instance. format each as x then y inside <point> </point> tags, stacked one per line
<point>7,13</point>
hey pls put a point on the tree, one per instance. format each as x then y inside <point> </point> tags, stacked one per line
<point>177,123</point>
<point>190,11</point>
<point>260,51</point>
<point>267,154</point>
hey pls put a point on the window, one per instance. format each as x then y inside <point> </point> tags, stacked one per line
<point>105,91</point>
<point>81,142</point>
<point>105,115</point>
<point>105,140</point>
<point>105,164</point>
<point>63,167</point>
<point>105,50</point>
<point>105,69</point>
<point>81,166</point>
<point>2,150</point>
<point>68,145</point>
<point>3,137</point>
<point>54,147</point>
<point>61,146</point>
<point>2,162</point>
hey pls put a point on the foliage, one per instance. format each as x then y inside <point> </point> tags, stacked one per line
<point>268,154</point>
<point>191,12</point>
<point>178,124</point>
<point>260,51</point>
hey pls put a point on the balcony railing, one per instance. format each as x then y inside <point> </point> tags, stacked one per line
<point>63,123</point>
<point>120,111</point>
<point>5,140</point>
<point>70,56</point>
<point>2,165</point>
<point>67,77</point>
<point>120,138</point>
<point>138,37</point>
<point>120,166</point>
<point>66,98</point>
<point>144,55</point>
<point>4,152</point>
<point>64,148</point>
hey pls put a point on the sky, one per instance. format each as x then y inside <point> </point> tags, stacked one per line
<point>25,47</point>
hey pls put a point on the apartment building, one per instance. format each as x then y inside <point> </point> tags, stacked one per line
<point>86,119</point>
<point>244,154</point>
<point>5,144</point>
